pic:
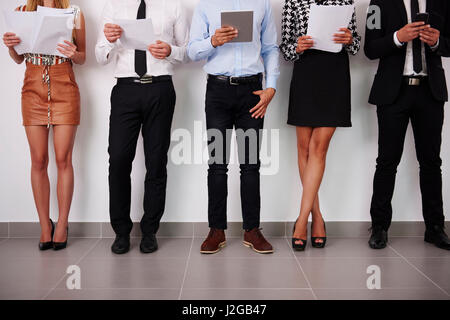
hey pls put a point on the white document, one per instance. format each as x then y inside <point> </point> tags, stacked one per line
<point>39,33</point>
<point>324,22</point>
<point>137,34</point>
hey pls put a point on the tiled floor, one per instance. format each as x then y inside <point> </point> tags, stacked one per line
<point>410,269</point>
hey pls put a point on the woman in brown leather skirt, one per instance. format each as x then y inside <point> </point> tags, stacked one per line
<point>51,99</point>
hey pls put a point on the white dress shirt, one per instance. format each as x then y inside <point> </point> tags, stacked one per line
<point>169,24</point>
<point>409,63</point>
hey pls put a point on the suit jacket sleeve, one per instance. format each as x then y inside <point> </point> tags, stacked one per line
<point>444,40</point>
<point>378,43</point>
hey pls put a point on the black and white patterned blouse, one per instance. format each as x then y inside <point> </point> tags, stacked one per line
<point>295,25</point>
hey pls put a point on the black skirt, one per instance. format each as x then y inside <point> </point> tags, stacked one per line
<point>320,90</point>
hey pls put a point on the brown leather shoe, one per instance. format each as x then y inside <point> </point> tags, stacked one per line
<point>255,240</point>
<point>214,242</point>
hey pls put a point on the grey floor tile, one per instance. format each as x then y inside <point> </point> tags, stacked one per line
<point>4,230</point>
<point>342,273</point>
<point>247,294</point>
<point>31,274</point>
<point>22,294</point>
<point>235,249</point>
<point>168,248</point>
<point>131,273</point>
<point>383,294</point>
<point>204,272</point>
<point>437,269</point>
<point>3,240</point>
<point>85,229</point>
<point>114,294</point>
<point>416,247</point>
<point>28,248</point>
<point>345,248</point>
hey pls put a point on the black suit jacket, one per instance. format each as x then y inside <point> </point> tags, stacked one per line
<point>379,44</point>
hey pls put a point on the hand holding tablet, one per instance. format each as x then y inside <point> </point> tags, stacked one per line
<point>237,27</point>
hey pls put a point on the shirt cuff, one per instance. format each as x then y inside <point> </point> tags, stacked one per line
<point>397,42</point>
<point>271,82</point>
<point>436,46</point>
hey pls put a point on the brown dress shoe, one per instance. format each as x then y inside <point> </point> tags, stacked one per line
<point>214,242</point>
<point>255,240</point>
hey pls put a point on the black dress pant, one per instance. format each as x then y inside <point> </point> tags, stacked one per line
<point>417,104</point>
<point>149,107</point>
<point>227,107</point>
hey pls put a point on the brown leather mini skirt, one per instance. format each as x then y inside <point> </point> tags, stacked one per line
<point>50,95</point>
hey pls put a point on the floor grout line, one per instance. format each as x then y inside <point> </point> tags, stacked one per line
<point>418,270</point>
<point>187,262</point>
<point>304,274</point>
<point>76,263</point>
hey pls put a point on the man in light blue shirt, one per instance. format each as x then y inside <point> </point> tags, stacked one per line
<point>235,99</point>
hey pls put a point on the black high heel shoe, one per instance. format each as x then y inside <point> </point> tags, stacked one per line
<point>61,245</point>
<point>48,245</point>
<point>298,246</point>
<point>314,243</point>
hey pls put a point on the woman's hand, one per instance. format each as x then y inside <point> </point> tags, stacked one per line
<point>11,40</point>
<point>344,37</point>
<point>304,43</point>
<point>68,49</point>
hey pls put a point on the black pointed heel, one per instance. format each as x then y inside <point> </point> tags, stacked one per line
<point>43,246</point>
<point>314,243</point>
<point>298,246</point>
<point>61,245</point>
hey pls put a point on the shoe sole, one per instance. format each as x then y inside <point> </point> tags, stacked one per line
<point>377,247</point>
<point>221,246</point>
<point>147,252</point>
<point>121,251</point>
<point>249,245</point>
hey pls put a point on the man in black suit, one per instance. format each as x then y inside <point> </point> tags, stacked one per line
<point>410,85</point>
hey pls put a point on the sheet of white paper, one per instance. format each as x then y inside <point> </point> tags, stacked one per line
<point>324,22</point>
<point>54,11</point>
<point>22,24</point>
<point>53,31</point>
<point>137,34</point>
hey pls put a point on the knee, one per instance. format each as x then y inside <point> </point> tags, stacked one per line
<point>249,168</point>
<point>120,162</point>
<point>431,165</point>
<point>318,149</point>
<point>63,161</point>
<point>218,169</point>
<point>303,150</point>
<point>39,162</point>
<point>388,164</point>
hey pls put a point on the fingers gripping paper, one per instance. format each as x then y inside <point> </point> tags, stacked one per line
<point>324,22</point>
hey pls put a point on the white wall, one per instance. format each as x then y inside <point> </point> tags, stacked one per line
<point>346,188</point>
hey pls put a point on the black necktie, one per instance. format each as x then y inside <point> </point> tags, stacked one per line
<point>140,57</point>
<point>417,44</point>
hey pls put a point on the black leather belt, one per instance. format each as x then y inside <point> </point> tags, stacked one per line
<point>144,80</point>
<point>235,81</point>
<point>415,81</point>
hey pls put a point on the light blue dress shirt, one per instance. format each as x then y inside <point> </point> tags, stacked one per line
<point>236,59</point>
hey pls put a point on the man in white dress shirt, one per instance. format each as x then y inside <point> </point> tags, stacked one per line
<point>142,100</point>
<point>409,86</point>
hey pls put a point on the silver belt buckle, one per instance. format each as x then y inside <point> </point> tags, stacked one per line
<point>233,83</point>
<point>146,80</point>
<point>414,82</point>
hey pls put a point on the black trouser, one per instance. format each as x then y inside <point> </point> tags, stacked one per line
<point>417,104</point>
<point>228,106</point>
<point>136,106</point>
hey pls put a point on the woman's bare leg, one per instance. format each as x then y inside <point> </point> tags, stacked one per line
<point>64,139</point>
<point>38,142</point>
<point>312,177</point>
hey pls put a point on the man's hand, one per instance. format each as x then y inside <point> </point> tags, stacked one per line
<point>411,31</point>
<point>113,32</point>
<point>160,50</point>
<point>344,37</point>
<point>304,43</point>
<point>10,40</point>
<point>259,111</point>
<point>223,35</point>
<point>430,36</point>
<point>68,49</point>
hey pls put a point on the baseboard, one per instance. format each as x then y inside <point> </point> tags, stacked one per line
<point>350,229</point>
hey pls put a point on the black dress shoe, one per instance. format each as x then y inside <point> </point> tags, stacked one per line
<point>149,243</point>
<point>61,245</point>
<point>379,238</point>
<point>437,236</point>
<point>48,245</point>
<point>121,245</point>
